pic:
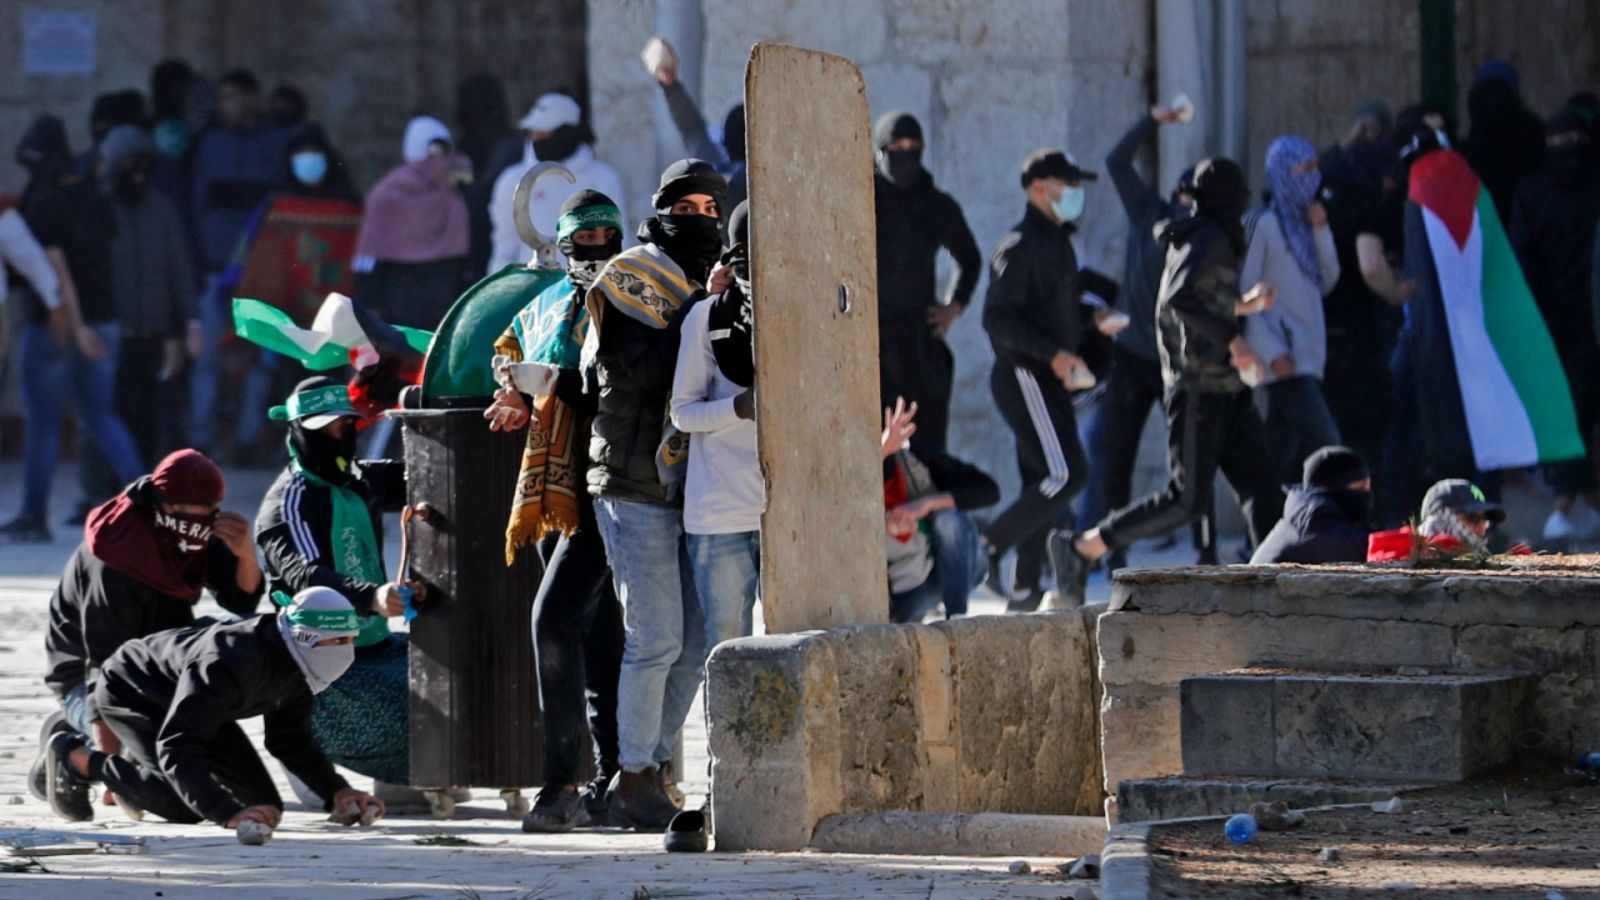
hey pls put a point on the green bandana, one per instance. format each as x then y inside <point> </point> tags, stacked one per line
<point>356,553</point>
<point>320,619</point>
<point>335,398</point>
<point>585,217</point>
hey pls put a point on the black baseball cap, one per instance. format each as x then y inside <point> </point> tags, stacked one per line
<point>1461,496</point>
<point>1048,162</point>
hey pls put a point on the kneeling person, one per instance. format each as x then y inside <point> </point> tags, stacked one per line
<point>321,526</point>
<point>175,698</point>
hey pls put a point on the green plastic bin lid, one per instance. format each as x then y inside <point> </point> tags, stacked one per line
<point>458,363</point>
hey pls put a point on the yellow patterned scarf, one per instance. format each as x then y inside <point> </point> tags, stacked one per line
<point>644,284</point>
<point>551,330</point>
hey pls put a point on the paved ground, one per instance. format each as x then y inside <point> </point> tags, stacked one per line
<point>311,857</point>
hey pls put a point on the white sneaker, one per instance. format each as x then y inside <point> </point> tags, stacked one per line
<point>1559,527</point>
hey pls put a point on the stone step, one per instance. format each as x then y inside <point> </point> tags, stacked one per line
<point>1284,723</point>
<point>1192,796</point>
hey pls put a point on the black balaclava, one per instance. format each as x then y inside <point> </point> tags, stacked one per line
<point>584,262</point>
<point>318,452</point>
<point>693,241</point>
<point>170,83</point>
<point>1568,164</point>
<point>561,143</point>
<point>733,134</point>
<point>482,117</point>
<point>43,150</point>
<point>730,319</point>
<point>901,168</point>
<point>1221,195</point>
<point>1331,470</point>
<point>128,157</point>
<point>124,107</point>
<point>286,106</point>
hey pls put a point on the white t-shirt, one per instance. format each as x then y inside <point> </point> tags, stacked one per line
<point>724,492</point>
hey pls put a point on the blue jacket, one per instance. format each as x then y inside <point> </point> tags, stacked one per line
<point>234,170</point>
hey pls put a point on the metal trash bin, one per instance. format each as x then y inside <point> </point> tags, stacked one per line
<point>474,701</point>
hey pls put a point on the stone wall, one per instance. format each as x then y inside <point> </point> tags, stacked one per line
<point>1166,625</point>
<point>366,66</point>
<point>987,714</point>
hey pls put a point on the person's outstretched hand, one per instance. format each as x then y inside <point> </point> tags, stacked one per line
<point>898,426</point>
<point>266,815</point>
<point>364,804</point>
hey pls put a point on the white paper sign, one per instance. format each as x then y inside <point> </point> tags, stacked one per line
<point>58,42</point>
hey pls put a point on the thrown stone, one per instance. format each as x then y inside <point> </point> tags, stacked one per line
<point>1020,867</point>
<point>1275,816</point>
<point>252,833</point>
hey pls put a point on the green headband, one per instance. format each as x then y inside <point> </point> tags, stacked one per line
<point>326,619</point>
<point>334,398</point>
<point>585,217</point>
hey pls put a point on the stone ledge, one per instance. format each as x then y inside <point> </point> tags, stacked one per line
<point>1126,872</point>
<point>984,714</point>
<point>1151,799</point>
<point>960,834</point>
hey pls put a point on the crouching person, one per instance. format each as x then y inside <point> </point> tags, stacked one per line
<point>146,556</point>
<point>320,525</point>
<point>934,553</point>
<point>175,699</point>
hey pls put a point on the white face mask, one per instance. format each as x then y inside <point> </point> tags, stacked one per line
<point>316,615</point>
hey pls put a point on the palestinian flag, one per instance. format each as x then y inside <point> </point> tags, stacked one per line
<point>386,357</point>
<point>1493,393</point>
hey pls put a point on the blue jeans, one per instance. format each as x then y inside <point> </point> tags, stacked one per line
<point>958,568</point>
<point>75,706</point>
<point>205,378</point>
<point>727,575</point>
<point>664,646</point>
<point>45,370</point>
<point>1299,424</point>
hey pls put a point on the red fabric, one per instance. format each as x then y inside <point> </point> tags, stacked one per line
<point>188,476</point>
<point>7,201</point>
<point>1443,183</point>
<point>1397,545</point>
<point>301,254</point>
<point>896,492</point>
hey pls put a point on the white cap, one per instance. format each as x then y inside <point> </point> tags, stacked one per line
<point>420,133</point>
<point>550,112</point>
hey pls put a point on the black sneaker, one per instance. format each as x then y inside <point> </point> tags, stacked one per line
<point>992,578</point>
<point>1072,570</point>
<point>1023,601</point>
<point>558,808</point>
<point>594,799</point>
<point>37,780</point>
<point>25,530</point>
<point>66,791</point>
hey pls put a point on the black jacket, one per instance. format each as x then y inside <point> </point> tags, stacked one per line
<point>96,609</point>
<point>1319,525</point>
<point>1552,229</point>
<point>184,684</point>
<point>1031,310</point>
<point>914,223</point>
<point>294,530</point>
<point>1145,257</point>
<point>968,485</point>
<point>1195,317</point>
<point>634,368</point>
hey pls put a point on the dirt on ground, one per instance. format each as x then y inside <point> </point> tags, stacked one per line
<point>1512,835</point>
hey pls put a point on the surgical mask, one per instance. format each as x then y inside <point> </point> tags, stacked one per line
<point>1069,206</point>
<point>309,167</point>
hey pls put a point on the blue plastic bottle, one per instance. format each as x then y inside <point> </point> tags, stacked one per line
<point>1240,829</point>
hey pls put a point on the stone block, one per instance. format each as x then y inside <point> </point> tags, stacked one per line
<point>1139,734</point>
<point>1227,725</point>
<point>1394,727</point>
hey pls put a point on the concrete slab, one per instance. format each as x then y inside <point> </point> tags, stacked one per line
<point>963,834</point>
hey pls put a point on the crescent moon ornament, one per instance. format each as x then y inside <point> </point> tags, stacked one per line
<point>544,247</point>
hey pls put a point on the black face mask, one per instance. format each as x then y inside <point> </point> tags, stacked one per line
<point>584,262</point>
<point>1356,505</point>
<point>1566,165</point>
<point>695,236</point>
<point>329,458</point>
<point>901,167</point>
<point>559,144</point>
<point>130,188</point>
